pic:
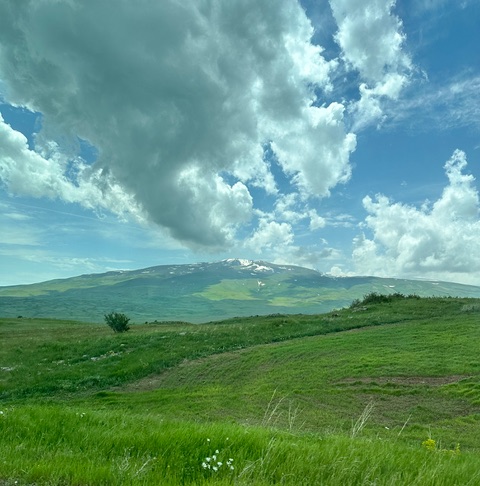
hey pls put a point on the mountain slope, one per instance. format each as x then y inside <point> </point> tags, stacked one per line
<point>205,291</point>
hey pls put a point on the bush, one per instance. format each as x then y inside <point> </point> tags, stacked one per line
<point>376,298</point>
<point>118,322</point>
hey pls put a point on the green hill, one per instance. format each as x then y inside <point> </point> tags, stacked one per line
<point>385,391</point>
<point>205,292</point>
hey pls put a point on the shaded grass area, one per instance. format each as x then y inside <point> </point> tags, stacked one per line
<point>285,397</point>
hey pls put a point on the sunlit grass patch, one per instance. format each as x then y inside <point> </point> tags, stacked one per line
<point>60,445</point>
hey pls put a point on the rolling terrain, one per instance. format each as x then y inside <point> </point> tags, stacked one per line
<point>205,292</point>
<point>385,391</point>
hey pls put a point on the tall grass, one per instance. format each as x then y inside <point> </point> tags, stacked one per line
<point>61,445</point>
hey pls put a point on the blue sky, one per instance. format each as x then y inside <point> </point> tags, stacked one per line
<point>338,135</point>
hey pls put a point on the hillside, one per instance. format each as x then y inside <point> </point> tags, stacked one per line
<point>205,292</point>
<point>382,392</point>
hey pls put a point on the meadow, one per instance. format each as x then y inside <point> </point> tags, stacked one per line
<point>384,392</point>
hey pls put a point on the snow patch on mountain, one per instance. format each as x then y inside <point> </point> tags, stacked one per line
<point>249,265</point>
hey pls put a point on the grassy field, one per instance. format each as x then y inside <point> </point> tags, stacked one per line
<point>382,393</point>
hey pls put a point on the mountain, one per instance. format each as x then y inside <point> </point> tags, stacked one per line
<point>206,291</point>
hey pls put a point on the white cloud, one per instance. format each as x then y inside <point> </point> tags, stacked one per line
<point>337,271</point>
<point>371,39</point>
<point>316,150</point>
<point>210,199</point>
<point>437,241</point>
<point>291,209</point>
<point>317,257</point>
<point>316,221</point>
<point>286,208</point>
<point>276,241</point>
<point>25,171</point>
<point>44,174</point>
<point>270,235</point>
<point>371,108</point>
<point>340,220</point>
<point>180,99</point>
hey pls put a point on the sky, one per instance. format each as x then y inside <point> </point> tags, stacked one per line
<point>338,135</point>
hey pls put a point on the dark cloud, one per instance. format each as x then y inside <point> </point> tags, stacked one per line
<point>179,98</point>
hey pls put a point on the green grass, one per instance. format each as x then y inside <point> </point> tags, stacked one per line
<point>66,445</point>
<point>346,397</point>
<point>236,289</point>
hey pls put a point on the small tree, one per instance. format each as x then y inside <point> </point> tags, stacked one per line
<point>118,322</point>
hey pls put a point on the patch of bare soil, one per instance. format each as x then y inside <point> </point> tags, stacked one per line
<point>403,380</point>
<point>148,383</point>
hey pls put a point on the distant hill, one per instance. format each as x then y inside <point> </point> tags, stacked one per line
<point>206,291</point>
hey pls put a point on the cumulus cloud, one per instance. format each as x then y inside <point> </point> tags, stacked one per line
<point>180,99</point>
<point>270,235</point>
<point>437,241</point>
<point>43,173</point>
<point>227,206</point>
<point>320,136</point>
<point>316,257</point>
<point>371,39</point>
<point>373,106</point>
<point>316,221</point>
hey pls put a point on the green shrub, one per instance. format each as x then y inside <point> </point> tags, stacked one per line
<point>376,298</point>
<point>118,322</point>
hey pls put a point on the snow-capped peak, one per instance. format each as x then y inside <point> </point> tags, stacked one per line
<point>249,265</point>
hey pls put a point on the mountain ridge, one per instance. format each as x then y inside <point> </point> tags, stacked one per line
<point>206,291</point>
